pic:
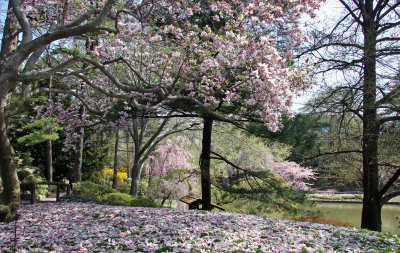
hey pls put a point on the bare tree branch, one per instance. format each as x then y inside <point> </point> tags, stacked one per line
<point>334,153</point>
<point>23,21</point>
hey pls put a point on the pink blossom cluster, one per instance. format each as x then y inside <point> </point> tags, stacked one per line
<point>164,56</point>
<point>171,155</point>
<point>72,114</point>
<point>151,53</point>
<point>296,176</point>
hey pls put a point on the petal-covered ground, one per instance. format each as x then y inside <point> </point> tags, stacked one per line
<point>89,227</point>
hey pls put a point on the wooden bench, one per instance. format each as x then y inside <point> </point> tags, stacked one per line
<point>194,203</point>
<point>58,184</point>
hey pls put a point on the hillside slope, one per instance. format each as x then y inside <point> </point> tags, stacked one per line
<point>89,227</point>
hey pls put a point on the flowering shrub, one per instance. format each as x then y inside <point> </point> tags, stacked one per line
<point>122,173</point>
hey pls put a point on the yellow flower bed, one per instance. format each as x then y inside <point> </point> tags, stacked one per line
<point>122,173</point>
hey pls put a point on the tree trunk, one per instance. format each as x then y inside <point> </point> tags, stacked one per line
<point>115,178</point>
<point>49,151</point>
<point>79,151</point>
<point>371,211</point>
<point>49,155</point>
<point>163,200</point>
<point>10,196</point>
<point>9,41</point>
<point>127,153</point>
<point>205,163</point>
<point>136,170</point>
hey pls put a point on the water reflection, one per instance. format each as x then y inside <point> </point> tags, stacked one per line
<point>351,213</point>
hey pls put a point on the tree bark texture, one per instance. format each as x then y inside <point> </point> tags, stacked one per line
<point>205,163</point>
<point>142,148</point>
<point>127,153</point>
<point>115,178</point>
<point>9,41</point>
<point>49,150</point>
<point>49,156</point>
<point>371,211</point>
<point>13,57</point>
<point>79,151</point>
<point>10,196</point>
<point>136,170</point>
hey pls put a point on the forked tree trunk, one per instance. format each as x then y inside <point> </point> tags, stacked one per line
<point>205,163</point>
<point>115,176</point>
<point>10,197</point>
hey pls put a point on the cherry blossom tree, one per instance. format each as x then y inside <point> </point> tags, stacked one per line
<point>162,54</point>
<point>235,64</point>
<point>171,155</point>
<point>146,138</point>
<point>150,54</point>
<point>147,129</point>
<point>170,170</point>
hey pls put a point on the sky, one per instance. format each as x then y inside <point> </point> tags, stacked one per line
<point>329,8</point>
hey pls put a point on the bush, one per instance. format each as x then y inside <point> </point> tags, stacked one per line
<point>119,198</point>
<point>89,190</point>
<point>30,174</point>
<point>40,189</point>
<point>98,177</point>
<point>125,186</point>
<point>143,201</point>
<point>124,199</point>
<point>122,173</point>
<point>93,191</point>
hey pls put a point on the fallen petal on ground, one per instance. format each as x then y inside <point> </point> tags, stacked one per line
<point>90,227</point>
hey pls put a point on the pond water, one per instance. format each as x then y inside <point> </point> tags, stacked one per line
<point>351,213</point>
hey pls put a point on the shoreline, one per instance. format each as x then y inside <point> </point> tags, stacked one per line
<point>349,202</point>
